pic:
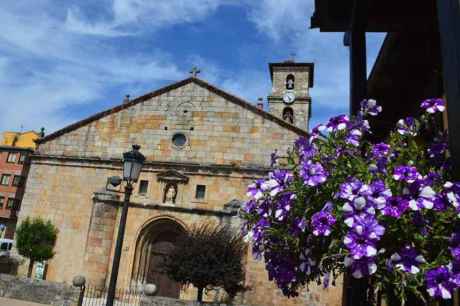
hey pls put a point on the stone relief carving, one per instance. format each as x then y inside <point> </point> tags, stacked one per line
<point>170,193</point>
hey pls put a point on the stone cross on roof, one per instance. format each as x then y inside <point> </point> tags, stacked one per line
<point>195,71</point>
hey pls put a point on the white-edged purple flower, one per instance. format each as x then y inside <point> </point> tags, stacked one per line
<point>322,222</point>
<point>254,190</point>
<point>361,240</point>
<point>451,193</point>
<point>370,107</point>
<point>338,123</point>
<point>432,106</point>
<point>395,206</point>
<point>438,282</point>
<point>305,148</point>
<point>408,174</point>
<point>354,137</point>
<point>278,181</point>
<point>426,199</point>
<point>379,193</point>
<point>353,188</point>
<point>361,267</point>
<point>408,260</point>
<point>313,174</point>
<point>407,126</point>
<point>284,205</point>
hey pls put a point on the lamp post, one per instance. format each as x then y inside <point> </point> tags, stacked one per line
<point>132,165</point>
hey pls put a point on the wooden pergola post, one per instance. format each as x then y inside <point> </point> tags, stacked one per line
<point>449,29</point>
<point>355,290</point>
<point>358,61</point>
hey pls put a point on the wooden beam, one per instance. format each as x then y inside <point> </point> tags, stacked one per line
<point>355,290</point>
<point>358,63</point>
<point>449,29</point>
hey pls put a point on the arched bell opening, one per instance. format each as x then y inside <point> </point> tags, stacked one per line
<point>155,242</point>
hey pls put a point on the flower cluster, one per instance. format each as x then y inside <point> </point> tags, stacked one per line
<point>388,211</point>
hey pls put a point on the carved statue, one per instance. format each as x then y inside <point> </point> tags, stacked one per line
<point>170,193</point>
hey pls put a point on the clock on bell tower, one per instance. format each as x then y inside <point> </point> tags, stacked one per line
<point>290,98</point>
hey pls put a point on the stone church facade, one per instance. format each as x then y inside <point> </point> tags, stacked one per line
<point>203,146</point>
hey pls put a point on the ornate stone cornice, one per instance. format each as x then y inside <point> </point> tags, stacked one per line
<point>172,176</point>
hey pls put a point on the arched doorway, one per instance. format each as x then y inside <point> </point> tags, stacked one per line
<point>155,242</point>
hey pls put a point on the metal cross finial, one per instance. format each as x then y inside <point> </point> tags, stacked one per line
<point>194,72</point>
<point>293,55</point>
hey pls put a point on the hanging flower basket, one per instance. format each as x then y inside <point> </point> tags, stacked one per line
<point>387,212</point>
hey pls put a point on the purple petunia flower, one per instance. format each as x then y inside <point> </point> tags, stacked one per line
<point>432,106</point>
<point>394,207</point>
<point>370,107</point>
<point>380,150</point>
<point>379,193</point>
<point>362,267</point>
<point>354,137</point>
<point>437,149</point>
<point>313,174</point>
<point>284,205</point>
<point>353,188</point>
<point>407,126</point>
<point>408,260</point>
<point>322,222</point>
<point>338,123</point>
<point>451,194</point>
<point>254,190</point>
<point>305,148</point>
<point>420,222</point>
<point>408,174</point>
<point>278,181</point>
<point>455,246</point>
<point>438,282</point>
<point>361,240</point>
<point>426,199</point>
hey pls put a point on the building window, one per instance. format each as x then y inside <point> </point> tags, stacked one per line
<point>143,186</point>
<point>290,82</point>
<point>10,203</point>
<point>200,192</point>
<point>5,179</point>
<point>2,201</point>
<point>12,157</point>
<point>288,115</point>
<point>17,180</point>
<point>179,140</point>
<point>22,158</point>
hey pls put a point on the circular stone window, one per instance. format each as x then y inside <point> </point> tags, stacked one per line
<point>179,140</point>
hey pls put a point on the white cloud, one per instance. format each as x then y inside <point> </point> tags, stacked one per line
<point>132,16</point>
<point>281,19</point>
<point>45,69</point>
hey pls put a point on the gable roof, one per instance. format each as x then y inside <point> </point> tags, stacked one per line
<point>195,80</point>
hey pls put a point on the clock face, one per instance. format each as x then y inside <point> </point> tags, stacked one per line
<point>288,97</point>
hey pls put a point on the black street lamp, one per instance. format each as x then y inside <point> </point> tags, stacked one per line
<point>132,165</point>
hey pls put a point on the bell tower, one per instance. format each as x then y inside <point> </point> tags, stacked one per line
<point>290,98</point>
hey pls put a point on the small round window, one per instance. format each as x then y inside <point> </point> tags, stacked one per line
<point>179,140</point>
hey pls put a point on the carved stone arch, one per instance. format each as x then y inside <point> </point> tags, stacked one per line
<point>154,241</point>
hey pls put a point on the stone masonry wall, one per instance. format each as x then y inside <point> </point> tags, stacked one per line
<point>42,292</point>
<point>99,243</point>
<point>218,131</point>
<point>228,147</point>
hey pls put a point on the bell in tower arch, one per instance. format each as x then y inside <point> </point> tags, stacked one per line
<point>290,82</point>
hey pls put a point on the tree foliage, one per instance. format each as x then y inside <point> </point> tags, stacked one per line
<point>35,239</point>
<point>208,256</point>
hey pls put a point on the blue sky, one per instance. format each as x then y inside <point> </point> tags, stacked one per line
<point>61,61</point>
